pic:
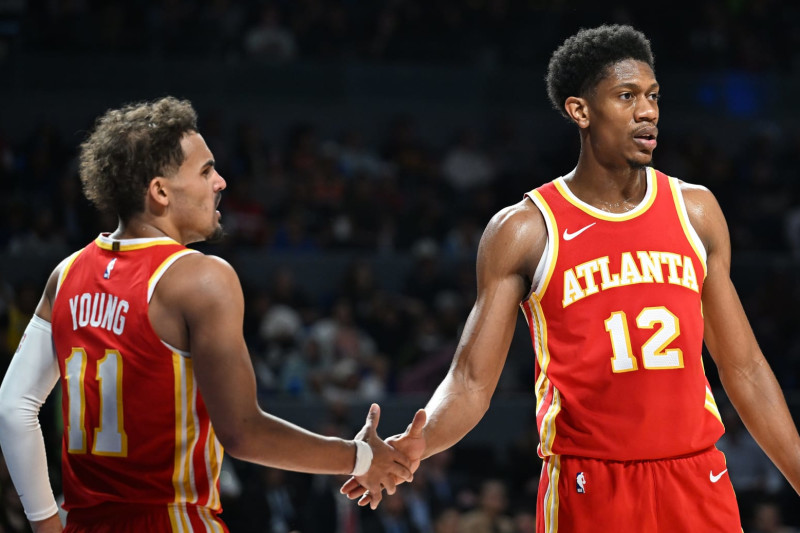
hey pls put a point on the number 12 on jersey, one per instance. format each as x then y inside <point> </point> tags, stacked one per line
<point>654,352</point>
<point>109,437</point>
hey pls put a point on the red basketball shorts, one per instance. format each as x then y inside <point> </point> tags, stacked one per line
<point>680,495</point>
<point>129,518</point>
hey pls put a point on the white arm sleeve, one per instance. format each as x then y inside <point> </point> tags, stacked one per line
<point>29,379</point>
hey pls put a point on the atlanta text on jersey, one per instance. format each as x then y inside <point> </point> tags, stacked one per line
<point>580,281</point>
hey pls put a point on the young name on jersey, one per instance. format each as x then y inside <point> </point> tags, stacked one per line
<point>98,310</point>
<point>580,281</point>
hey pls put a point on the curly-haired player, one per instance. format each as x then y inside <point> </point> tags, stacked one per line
<point>621,272</point>
<point>145,336</point>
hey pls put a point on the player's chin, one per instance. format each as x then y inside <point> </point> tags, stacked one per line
<point>217,235</point>
<point>641,160</point>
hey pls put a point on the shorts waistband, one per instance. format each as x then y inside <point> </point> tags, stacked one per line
<point>634,461</point>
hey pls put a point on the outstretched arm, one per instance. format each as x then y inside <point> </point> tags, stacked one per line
<point>206,292</point>
<point>510,248</point>
<point>743,370</point>
<point>509,251</point>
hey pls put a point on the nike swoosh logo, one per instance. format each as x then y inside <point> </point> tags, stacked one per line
<point>714,478</point>
<point>569,236</point>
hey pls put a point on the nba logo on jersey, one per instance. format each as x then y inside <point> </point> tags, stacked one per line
<point>580,483</point>
<point>109,268</point>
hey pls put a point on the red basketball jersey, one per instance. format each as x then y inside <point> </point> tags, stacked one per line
<point>136,429</point>
<point>616,322</point>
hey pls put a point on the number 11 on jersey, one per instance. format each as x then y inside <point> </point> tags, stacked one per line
<point>109,436</point>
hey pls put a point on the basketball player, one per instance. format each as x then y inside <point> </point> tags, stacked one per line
<point>146,337</point>
<point>621,272</point>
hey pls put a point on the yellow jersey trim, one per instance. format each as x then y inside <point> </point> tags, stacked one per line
<point>688,230</point>
<point>644,205</point>
<point>64,271</point>
<point>553,240</point>
<point>126,245</point>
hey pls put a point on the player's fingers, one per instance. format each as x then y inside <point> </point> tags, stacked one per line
<point>373,417</point>
<point>356,493</point>
<point>400,459</point>
<point>390,484</point>
<point>365,499</point>
<point>415,429</point>
<point>375,499</point>
<point>401,473</point>
<point>353,489</point>
<point>349,485</point>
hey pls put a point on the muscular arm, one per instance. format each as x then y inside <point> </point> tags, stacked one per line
<point>204,297</point>
<point>743,370</point>
<point>510,248</point>
<point>508,254</point>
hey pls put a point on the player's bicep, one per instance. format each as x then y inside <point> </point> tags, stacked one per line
<point>214,308</point>
<point>214,313</point>
<point>728,334</point>
<point>505,264</point>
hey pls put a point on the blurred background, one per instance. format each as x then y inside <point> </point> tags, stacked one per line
<point>366,144</point>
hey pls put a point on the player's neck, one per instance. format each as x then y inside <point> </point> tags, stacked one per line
<point>616,190</point>
<point>137,228</point>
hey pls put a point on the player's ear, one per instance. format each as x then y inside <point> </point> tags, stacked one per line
<point>577,109</point>
<point>157,191</point>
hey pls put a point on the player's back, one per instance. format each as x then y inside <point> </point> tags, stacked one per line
<point>136,429</point>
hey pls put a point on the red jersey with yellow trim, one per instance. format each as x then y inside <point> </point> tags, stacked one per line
<point>136,428</point>
<point>616,321</point>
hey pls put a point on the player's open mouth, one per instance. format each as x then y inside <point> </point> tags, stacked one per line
<point>646,137</point>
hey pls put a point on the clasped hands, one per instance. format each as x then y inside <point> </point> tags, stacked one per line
<point>394,460</point>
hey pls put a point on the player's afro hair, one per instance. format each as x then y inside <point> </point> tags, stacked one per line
<point>581,62</point>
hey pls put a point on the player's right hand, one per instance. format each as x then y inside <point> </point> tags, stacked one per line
<point>412,444</point>
<point>388,467</point>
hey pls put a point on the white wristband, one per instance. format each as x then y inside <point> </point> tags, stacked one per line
<point>363,458</point>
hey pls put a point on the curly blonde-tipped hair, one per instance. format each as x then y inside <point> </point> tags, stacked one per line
<point>129,147</point>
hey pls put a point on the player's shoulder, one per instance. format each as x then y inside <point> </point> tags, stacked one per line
<point>694,190</point>
<point>704,212</point>
<point>515,238</point>
<point>522,217</point>
<point>196,281</point>
<point>51,286</point>
<point>698,198</point>
<point>199,267</point>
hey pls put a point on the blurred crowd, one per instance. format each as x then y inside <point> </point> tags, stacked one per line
<point>750,34</point>
<point>418,202</point>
